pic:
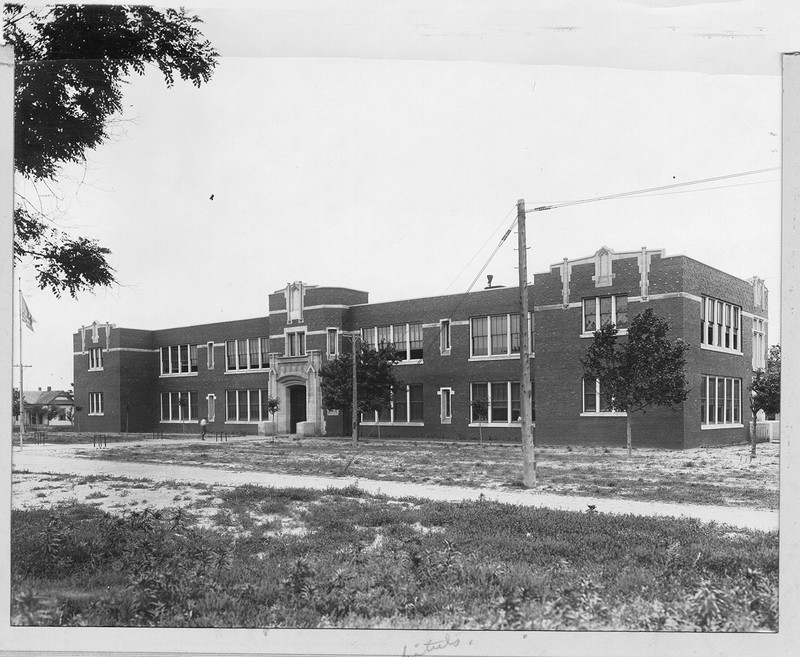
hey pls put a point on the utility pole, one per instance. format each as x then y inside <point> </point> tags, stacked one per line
<point>528,454</point>
<point>355,391</point>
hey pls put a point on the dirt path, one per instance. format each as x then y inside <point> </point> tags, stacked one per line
<point>66,460</point>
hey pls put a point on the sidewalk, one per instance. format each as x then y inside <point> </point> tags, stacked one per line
<point>65,459</point>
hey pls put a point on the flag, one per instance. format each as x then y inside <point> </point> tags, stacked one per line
<point>24,313</point>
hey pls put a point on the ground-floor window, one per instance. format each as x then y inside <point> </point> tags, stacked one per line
<point>246,405</point>
<point>446,396</point>
<point>178,406</point>
<point>593,400</point>
<point>95,403</point>
<point>495,402</point>
<point>407,407</point>
<point>720,401</point>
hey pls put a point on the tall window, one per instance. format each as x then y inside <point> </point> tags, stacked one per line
<point>333,342</point>
<point>446,396</point>
<point>720,401</point>
<point>593,401</point>
<point>720,325</point>
<point>179,406</point>
<point>246,354</point>
<point>95,403</point>
<point>96,359</point>
<point>406,338</point>
<point>602,311</point>
<point>246,405</point>
<point>210,355</point>
<point>444,337</point>
<point>179,359</point>
<point>295,343</point>
<point>496,335</point>
<point>759,345</point>
<point>502,399</point>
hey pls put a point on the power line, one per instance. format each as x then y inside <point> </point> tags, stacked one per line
<point>650,189</point>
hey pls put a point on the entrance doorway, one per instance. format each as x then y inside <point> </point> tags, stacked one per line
<point>297,406</point>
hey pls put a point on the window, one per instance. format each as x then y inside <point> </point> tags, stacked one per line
<point>295,343</point>
<point>96,359</point>
<point>179,359</point>
<point>444,337</point>
<point>179,406</point>
<point>246,354</point>
<point>720,325</point>
<point>759,345</point>
<point>95,403</point>
<point>502,399</point>
<point>446,414</point>
<point>593,401</point>
<point>246,405</point>
<point>406,338</point>
<point>406,408</point>
<point>210,355</point>
<point>333,342</point>
<point>720,401</point>
<point>496,335</point>
<point>602,311</point>
<point>211,407</point>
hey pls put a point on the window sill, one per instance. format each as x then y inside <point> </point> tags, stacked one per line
<point>711,427</point>
<point>444,352</point>
<point>95,414</point>
<point>255,370</point>
<point>446,420</point>
<point>591,334</point>
<point>604,414</point>
<point>172,376</point>
<point>416,361</point>
<point>95,369</point>
<point>392,424</point>
<point>489,425</point>
<point>244,421</point>
<point>494,357</point>
<point>721,350</point>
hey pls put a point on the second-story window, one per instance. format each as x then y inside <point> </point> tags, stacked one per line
<point>179,359</point>
<point>246,354</point>
<point>96,359</point>
<point>333,342</point>
<point>602,311</point>
<point>444,336</point>
<point>495,335</point>
<point>295,343</point>
<point>720,325</point>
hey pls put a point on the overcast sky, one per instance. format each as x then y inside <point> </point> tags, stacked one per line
<point>383,146</point>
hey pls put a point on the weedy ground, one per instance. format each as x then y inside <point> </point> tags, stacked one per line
<point>265,557</point>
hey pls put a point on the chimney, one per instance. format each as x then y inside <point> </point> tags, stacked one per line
<point>48,389</point>
<point>40,388</point>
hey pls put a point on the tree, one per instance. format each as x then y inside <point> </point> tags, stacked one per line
<point>645,370</point>
<point>71,63</point>
<point>273,406</point>
<point>480,410</point>
<point>376,379</point>
<point>765,392</point>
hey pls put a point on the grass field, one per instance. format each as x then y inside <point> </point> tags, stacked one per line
<point>722,475</point>
<point>301,558</point>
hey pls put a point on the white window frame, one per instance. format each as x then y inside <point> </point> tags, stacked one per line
<point>291,340</point>
<point>597,399</point>
<point>95,359</point>
<point>190,394</point>
<point>445,338</point>
<point>210,355</point>
<point>261,393</point>
<point>490,387</point>
<point>706,384</point>
<point>179,372</point>
<point>369,336</point>
<point>446,405</point>
<point>238,369</point>
<point>613,297</point>
<point>96,403</point>
<point>508,354</point>
<point>718,308</point>
<point>211,407</point>
<point>759,344</point>
<point>404,422</point>
<point>332,331</point>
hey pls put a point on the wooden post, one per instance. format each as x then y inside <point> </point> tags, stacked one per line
<point>528,454</point>
<point>355,391</point>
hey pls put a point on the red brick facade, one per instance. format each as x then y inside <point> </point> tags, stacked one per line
<point>133,383</point>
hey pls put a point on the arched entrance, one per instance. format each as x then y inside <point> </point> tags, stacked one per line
<point>297,406</point>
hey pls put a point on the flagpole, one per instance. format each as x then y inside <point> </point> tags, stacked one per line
<point>21,388</point>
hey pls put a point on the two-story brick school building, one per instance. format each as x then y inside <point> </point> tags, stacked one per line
<point>454,349</point>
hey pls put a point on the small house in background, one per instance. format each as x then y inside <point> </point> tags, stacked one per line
<point>47,408</point>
